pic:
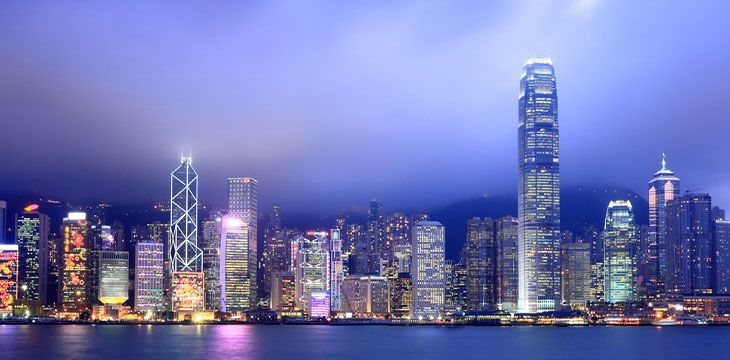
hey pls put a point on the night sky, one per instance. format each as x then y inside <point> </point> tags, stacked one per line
<point>328,104</point>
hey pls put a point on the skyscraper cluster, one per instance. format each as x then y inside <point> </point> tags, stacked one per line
<point>213,262</point>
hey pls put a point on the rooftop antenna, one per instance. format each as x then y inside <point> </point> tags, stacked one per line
<point>664,161</point>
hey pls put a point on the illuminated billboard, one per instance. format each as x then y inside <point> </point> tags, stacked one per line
<point>75,270</point>
<point>320,304</point>
<point>187,291</point>
<point>8,276</point>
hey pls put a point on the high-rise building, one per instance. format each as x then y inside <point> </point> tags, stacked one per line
<point>374,293</point>
<point>148,280</point>
<point>397,231</point>
<point>8,278</point>
<point>480,255</point>
<point>597,282</point>
<point>243,195</point>
<point>619,252</point>
<point>508,267</point>
<point>274,257</point>
<point>31,236</point>
<point>593,236</point>
<point>75,291</point>
<point>642,261</point>
<point>113,277</point>
<point>718,213</point>
<point>237,285</point>
<point>576,271</point>
<point>721,235</point>
<point>376,229</point>
<point>690,247</point>
<point>664,187</point>
<point>427,270</point>
<point>185,255</point>
<point>401,295</point>
<point>283,291</point>
<point>337,274</point>
<point>3,217</point>
<point>312,266</point>
<point>455,275</point>
<point>211,262</point>
<point>158,232</point>
<point>538,188</point>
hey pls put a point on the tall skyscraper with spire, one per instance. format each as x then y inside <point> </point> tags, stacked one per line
<point>538,188</point>
<point>664,187</point>
<point>185,255</point>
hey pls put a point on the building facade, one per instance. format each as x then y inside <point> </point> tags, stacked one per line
<point>663,187</point>
<point>312,266</point>
<point>619,249</point>
<point>427,271</point>
<point>236,281</point>
<point>149,258</point>
<point>690,246</point>
<point>721,234</point>
<point>283,291</point>
<point>185,255</point>
<point>243,203</point>
<point>576,272</point>
<point>113,277</point>
<point>212,262</point>
<point>538,188</point>
<point>481,258</point>
<point>508,267</point>
<point>31,236</point>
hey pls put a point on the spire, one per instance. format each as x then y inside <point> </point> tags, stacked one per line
<point>664,161</point>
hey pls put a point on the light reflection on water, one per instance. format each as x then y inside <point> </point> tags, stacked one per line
<point>111,342</point>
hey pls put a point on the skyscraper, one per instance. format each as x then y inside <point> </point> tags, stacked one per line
<point>690,247</point>
<point>664,187</point>
<point>185,255</point>
<point>283,291</point>
<point>337,275</point>
<point>75,290</point>
<point>31,236</point>
<point>275,255</point>
<point>427,271</point>
<point>538,188</point>
<point>8,278</point>
<point>211,262</point>
<point>148,280</point>
<point>480,256</point>
<point>619,259</point>
<point>508,274</point>
<point>376,228</point>
<point>312,266</point>
<point>576,271</point>
<point>721,235</point>
<point>243,204</point>
<point>113,277</point>
<point>235,269</point>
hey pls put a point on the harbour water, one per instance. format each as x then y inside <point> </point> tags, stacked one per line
<point>146,342</point>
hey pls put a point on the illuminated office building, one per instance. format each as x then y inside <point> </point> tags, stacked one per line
<point>337,275</point>
<point>663,188</point>
<point>401,295</point>
<point>243,204</point>
<point>148,280</point>
<point>397,231</point>
<point>312,266</point>
<point>376,229</point>
<point>619,252</point>
<point>113,277</point>
<point>721,235</point>
<point>508,267</point>
<point>185,255</point>
<point>597,282</point>
<point>275,257</point>
<point>456,275</point>
<point>75,291</point>
<point>319,304</point>
<point>576,272</point>
<point>31,236</point>
<point>427,270</point>
<point>690,246</point>
<point>480,255</point>
<point>158,232</point>
<point>211,262</point>
<point>283,291</point>
<point>374,293</point>
<point>538,189</point>
<point>237,283</point>
<point>8,278</point>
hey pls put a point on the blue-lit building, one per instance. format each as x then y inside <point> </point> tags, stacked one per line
<point>690,246</point>
<point>721,235</point>
<point>538,188</point>
<point>619,252</point>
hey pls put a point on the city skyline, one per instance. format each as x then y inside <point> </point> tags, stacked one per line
<point>372,94</point>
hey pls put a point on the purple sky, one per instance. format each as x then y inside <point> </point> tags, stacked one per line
<point>331,103</point>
